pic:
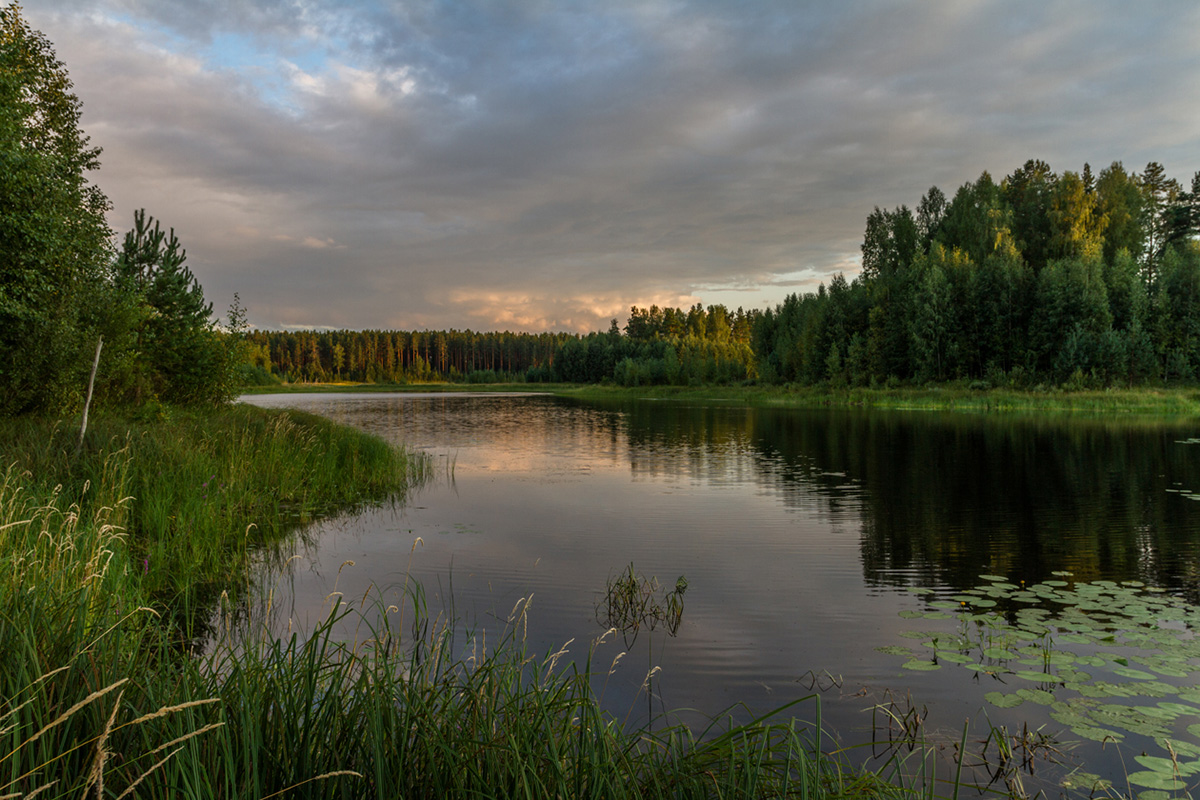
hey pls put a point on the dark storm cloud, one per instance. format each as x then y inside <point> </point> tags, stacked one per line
<point>544,165</point>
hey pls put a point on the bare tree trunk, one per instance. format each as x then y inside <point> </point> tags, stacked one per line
<point>87,403</point>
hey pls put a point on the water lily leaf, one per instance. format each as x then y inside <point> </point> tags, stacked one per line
<point>1097,734</point>
<point>1072,719</point>
<point>1056,583</point>
<point>1156,780</point>
<point>894,650</point>
<point>1157,764</point>
<point>1137,674</point>
<point>1158,712</point>
<point>1002,700</point>
<point>1062,573</point>
<point>1085,780</point>
<point>1171,672</point>
<point>921,666</point>
<point>955,658</point>
<point>947,605</point>
<point>999,653</point>
<point>1000,578</point>
<point>1179,709</point>
<point>1039,696</point>
<point>909,613</point>
<point>1191,749</point>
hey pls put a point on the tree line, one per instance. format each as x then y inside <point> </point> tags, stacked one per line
<point>657,346</point>
<point>1076,279</point>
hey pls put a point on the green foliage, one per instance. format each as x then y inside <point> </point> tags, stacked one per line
<point>181,357</point>
<point>60,289</point>
<point>53,235</point>
<point>1043,279</point>
<point>200,478</point>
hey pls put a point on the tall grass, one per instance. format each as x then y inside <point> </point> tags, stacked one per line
<point>97,699</point>
<point>197,493</point>
<point>948,397</point>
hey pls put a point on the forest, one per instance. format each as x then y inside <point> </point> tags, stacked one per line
<point>1075,280</point>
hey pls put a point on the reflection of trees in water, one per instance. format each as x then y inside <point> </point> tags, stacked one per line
<point>943,498</point>
<point>717,444</point>
<point>1023,497</point>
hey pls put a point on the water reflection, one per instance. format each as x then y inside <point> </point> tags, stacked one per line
<point>797,530</point>
<point>945,497</point>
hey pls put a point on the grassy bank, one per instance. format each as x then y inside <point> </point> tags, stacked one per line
<point>948,397</point>
<point>944,398</point>
<point>401,388</point>
<point>101,550</point>
<point>196,492</point>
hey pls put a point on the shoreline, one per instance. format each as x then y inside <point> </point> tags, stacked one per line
<point>950,397</point>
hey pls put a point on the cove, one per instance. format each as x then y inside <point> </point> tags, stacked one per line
<point>802,534</point>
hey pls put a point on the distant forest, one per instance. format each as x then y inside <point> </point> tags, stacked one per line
<point>1076,279</point>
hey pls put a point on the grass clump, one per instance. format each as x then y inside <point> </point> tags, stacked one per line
<point>195,493</point>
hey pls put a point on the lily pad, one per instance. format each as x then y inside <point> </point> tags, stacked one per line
<point>1136,674</point>
<point>894,650</point>
<point>1156,780</point>
<point>1039,696</point>
<point>1002,700</point>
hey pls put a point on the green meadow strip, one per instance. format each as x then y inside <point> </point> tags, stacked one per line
<point>946,397</point>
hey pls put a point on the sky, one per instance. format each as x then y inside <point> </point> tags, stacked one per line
<point>545,165</point>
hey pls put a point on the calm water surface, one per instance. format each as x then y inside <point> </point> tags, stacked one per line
<point>800,533</point>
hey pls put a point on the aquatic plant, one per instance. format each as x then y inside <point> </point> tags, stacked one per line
<point>632,601</point>
<point>1110,660</point>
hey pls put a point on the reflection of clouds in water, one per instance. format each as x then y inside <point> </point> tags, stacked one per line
<point>794,528</point>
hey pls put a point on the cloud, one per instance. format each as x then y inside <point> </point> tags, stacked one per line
<point>544,166</point>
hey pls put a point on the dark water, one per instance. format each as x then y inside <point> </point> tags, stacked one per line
<point>799,532</point>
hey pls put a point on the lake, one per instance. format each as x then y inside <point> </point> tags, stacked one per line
<point>809,539</point>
